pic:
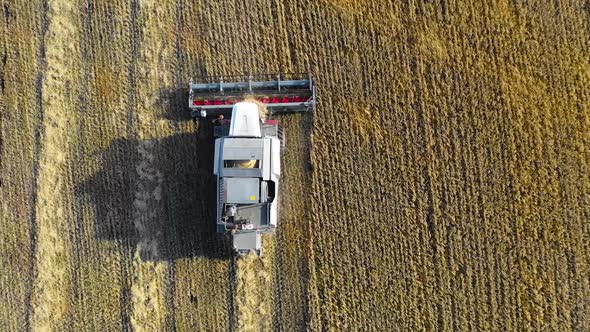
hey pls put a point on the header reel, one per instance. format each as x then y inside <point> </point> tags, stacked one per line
<point>217,95</point>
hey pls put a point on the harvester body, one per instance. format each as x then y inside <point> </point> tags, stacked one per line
<point>248,149</point>
<point>248,166</point>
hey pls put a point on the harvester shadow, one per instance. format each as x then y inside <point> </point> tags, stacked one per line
<point>157,197</point>
<point>175,101</point>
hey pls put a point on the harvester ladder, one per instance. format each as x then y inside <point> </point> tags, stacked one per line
<point>220,198</point>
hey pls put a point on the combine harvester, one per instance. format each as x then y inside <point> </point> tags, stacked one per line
<point>247,149</point>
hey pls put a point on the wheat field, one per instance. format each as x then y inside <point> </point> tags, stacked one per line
<point>442,183</point>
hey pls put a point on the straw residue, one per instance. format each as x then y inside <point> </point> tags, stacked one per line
<point>51,302</point>
<point>255,288</point>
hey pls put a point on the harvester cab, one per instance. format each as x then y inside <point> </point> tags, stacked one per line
<point>247,160</point>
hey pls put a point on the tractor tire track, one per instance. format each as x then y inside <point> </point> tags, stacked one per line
<point>131,59</point>
<point>232,319</point>
<point>79,234</point>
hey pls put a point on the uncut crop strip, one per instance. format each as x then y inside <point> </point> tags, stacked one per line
<point>437,217</point>
<point>292,276</point>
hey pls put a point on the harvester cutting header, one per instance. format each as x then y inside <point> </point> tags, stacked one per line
<point>247,149</point>
<point>218,95</point>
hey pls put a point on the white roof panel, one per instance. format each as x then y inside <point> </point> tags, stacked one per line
<point>245,120</point>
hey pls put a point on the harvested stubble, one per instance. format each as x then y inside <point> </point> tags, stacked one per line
<point>443,182</point>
